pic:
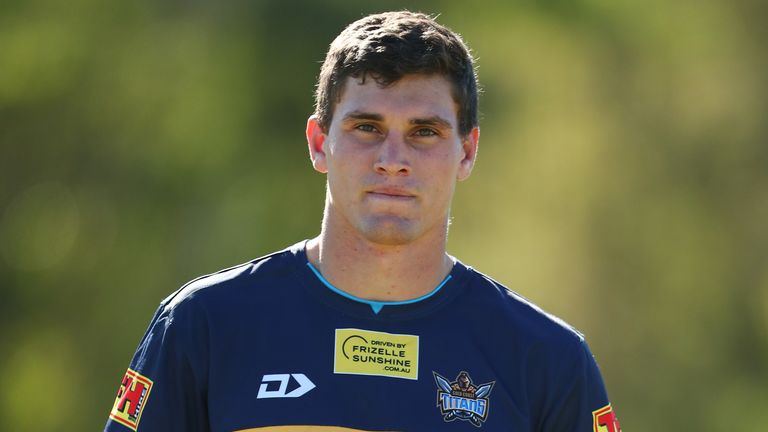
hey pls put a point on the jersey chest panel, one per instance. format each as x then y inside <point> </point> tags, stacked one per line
<point>298,372</point>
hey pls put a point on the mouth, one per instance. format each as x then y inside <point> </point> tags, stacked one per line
<point>392,194</point>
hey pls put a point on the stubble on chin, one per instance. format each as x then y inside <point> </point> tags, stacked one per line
<point>388,230</point>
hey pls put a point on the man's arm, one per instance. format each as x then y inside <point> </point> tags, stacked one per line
<point>578,400</point>
<point>164,388</point>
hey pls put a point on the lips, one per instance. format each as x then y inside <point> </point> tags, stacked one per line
<point>391,193</point>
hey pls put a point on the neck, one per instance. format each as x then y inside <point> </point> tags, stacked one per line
<point>379,272</point>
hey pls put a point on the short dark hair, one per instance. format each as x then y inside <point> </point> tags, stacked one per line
<point>390,45</point>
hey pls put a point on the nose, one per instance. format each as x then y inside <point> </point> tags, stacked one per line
<point>392,158</point>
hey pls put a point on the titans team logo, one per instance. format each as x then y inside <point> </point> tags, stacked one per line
<point>462,399</point>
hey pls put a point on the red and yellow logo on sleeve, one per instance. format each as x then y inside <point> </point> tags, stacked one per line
<point>131,398</point>
<point>604,420</point>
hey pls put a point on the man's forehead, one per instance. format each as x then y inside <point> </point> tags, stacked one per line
<point>427,98</point>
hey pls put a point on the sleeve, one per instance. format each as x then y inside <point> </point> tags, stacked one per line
<point>578,401</point>
<point>165,386</point>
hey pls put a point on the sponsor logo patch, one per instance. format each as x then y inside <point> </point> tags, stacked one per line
<point>131,399</point>
<point>304,383</point>
<point>604,420</point>
<point>364,352</point>
<point>462,399</point>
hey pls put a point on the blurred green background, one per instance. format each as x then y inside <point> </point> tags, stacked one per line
<point>622,183</point>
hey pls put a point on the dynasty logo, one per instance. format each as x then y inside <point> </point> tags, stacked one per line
<point>462,399</point>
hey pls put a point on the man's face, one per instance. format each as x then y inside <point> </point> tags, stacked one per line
<point>393,156</point>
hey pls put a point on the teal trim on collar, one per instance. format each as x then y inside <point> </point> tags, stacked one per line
<point>375,305</point>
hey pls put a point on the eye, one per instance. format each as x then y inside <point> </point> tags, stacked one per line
<point>365,127</point>
<point>425,132</point>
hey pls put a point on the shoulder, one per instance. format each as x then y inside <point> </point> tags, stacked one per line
<point>518,317</point>
<point>227,284</point>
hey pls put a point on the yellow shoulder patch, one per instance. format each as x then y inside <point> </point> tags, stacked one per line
<point>604,420</point>
<point>131,399</point>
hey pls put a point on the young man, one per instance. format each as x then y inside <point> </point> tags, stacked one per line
<point>371,325</point>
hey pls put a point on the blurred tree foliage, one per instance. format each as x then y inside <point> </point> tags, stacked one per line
<point>622,183</point>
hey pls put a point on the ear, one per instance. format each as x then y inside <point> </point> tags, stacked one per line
<point>316,141</point>
<point>469,146</point>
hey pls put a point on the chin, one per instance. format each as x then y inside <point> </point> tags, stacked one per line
<point>390,231</point>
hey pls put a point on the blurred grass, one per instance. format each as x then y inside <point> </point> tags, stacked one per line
<point>621,183</point>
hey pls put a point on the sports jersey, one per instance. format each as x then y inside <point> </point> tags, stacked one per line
<point>271,345</point>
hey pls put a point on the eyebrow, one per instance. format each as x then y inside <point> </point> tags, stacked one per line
<point>360,115</point>
<point>433,121</point>
<point>427,121</point>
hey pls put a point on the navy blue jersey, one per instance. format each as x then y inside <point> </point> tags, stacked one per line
<point>270,345</point>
